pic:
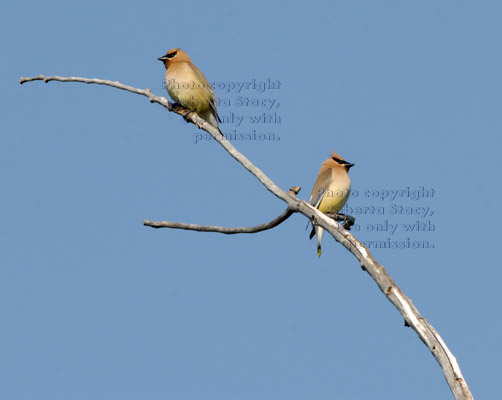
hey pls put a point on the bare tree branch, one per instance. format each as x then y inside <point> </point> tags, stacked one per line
<point>404,305</point>
<point>222,229</point>
<point>144,92</point>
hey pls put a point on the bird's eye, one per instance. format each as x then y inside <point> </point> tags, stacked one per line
<point>171,55</point>
<point>338,160</point>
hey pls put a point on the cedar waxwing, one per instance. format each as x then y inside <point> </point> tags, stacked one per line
<point>188,86</point>
<point>331,190</point>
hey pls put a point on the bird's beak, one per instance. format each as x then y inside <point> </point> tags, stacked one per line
<point>163,58</point>
<point>349,165</point>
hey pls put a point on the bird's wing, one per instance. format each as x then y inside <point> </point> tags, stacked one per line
<point>212,103</point>
<point>212,96</point>
<point>321,185</point>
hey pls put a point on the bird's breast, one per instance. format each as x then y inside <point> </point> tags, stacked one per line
<point>335,197</point>
<point>189,89</point>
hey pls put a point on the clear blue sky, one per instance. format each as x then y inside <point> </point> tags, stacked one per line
<point>95,306</point>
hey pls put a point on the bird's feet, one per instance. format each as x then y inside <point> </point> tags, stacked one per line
<point>185,113</point>
<point>348,220</point>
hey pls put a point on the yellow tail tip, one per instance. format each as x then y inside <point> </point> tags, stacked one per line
<point>319,252</point>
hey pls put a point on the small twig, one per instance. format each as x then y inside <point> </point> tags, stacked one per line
<point>144,92</point>
<point>222,229</point>
<point>173,107</point>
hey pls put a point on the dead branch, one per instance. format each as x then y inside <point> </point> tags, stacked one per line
<point>222,229</point>
<point>404,305</point>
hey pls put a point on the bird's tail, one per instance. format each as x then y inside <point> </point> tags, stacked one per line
<point>319,232</point>
<point>312,233</point>
<point>212,119</point>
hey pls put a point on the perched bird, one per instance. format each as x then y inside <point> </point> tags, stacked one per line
<point>331,191</point>
<point>189,87</point>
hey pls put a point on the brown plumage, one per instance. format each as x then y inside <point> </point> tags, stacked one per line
<point>188,86</point>
<point>331,190</point>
